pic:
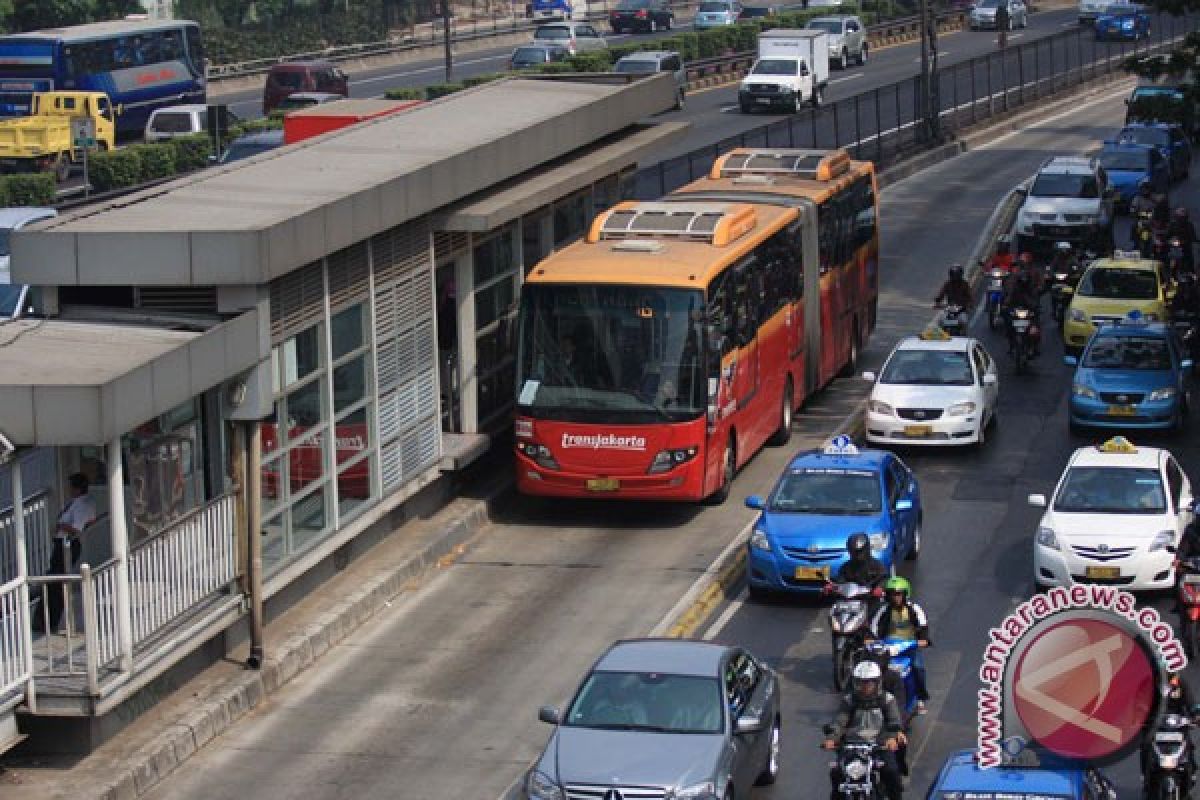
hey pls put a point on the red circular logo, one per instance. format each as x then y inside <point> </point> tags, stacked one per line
<point>1083,688</point>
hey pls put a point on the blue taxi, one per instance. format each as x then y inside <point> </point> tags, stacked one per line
<point>1132,374</point>
<point>1123,21</point>
<point>1170,141</point>
<point>1033,775</point>
<point>823,496</point>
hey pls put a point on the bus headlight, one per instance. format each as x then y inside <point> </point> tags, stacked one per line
<point>539,453</point>
<point>669,459</point>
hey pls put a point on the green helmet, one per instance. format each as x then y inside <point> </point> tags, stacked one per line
<point>898,584</point>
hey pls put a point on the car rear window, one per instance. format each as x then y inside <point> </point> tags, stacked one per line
<point>553,33</point>
<point>632,5</point>
<point>529,55</point>
<point>172,122</point>
<point>713,7</point>
<point>636,66</point>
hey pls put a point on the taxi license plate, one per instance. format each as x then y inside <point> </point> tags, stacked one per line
<point>918,430</point>
<point>1103,573</point>
<point>1121,411</point>
<point>603,485</point>
<point>812,573</point>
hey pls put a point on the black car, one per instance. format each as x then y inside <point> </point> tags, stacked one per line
<point>631,16</point>
<point>756,12</point>
<point>1163,103</point>
<point>528,56</point>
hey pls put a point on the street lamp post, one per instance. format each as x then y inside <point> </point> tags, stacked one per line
<point>930,104</point>
<point>446,40</point>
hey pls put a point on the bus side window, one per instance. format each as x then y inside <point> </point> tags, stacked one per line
<point>794,266</point>
<point>720,321</point>
<point>827,232</point>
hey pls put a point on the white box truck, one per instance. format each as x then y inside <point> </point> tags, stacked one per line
<point>792,69</point>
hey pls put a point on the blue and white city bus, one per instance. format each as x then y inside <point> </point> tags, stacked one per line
<point>141,65</point>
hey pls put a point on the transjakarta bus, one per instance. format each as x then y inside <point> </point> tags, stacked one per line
<point>141,65</point>
<point>660,353</point>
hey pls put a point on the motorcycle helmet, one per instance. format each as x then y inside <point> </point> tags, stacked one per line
<point>1027,259</point>
<point>866,680</point>
<point>956,272</point>
<point>898,585</point>
<point>1002,245</point>
<point>858,545</point>
<point>1144,186</point>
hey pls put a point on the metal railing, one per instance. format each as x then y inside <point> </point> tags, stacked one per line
<point>14,660</point>
<point>37,538</point>
<point>885,125</point>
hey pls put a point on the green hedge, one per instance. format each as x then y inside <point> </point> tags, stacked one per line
<point>32,189</point>
<point>114,169</point>
<point>407,93</point>
<point>191,152</point>
<point>155,161</point>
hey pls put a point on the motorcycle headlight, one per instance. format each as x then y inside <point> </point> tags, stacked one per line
<point>1079,390</point>
<point>759,541</point>
<point>960,409</point>
<point>698,791</point>
<point>1167,761</point>
<point>856,770</point>
<point>1078,315</point>
<point>1165,393</point>
<point>880,407</point>
<point>1046,538</point>
<point>538,786</point>
<point>880,541</point>
<point>1162,540</point>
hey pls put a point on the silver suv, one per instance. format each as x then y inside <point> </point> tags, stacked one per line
<point>847,39</point>
<point>1069,199</point>
<point>575,37</point>
<point>652,61</point>
<point>661,718</point>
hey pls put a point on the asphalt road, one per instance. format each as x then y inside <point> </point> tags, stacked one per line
<point>437,698</point>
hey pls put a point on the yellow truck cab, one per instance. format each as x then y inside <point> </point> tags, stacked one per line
<point>1109,290</point>
<point>42,140</point>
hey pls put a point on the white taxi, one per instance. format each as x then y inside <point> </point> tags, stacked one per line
<point>933,389</point>
<point>1117,513</point>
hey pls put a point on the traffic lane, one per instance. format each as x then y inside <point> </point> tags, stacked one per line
<point>975,562</point>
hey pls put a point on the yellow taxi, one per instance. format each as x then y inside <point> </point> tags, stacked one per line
<point>1109,290</point>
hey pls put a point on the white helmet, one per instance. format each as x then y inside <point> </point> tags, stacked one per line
<point>867,678</point>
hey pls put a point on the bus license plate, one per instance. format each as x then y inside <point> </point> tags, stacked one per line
<point>918,430</point>
<point>1103,573</point>
<point>812,573</point>
<point>1121,411</point>
<point>603,484</point>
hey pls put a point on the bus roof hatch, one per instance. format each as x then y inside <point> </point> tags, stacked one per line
<point>813,165</point>
<point>717,224</point>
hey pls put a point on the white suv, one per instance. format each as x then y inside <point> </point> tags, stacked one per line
<point>1069,199</point>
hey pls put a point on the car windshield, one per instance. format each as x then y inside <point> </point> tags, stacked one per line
<point>636,66</point>
<point>648,701</point>
<point>1152,136</point>
<point>1131,284</point>
<point>828,491</point>
<point>1126,160</point>
<point>611,353</point>
<point>928,368</point>
<point>830,25</point>
<point>986,4</point>
<point>288,80</point>
<point>1155,92</point>
<point>1128,352</point>
<point>10,295</point>
<point>1058,184</point>
<point>776,66</point>
<point>172,122</point>
<point>549,32</point>
<point>1111,490</point>
<point>711,8</point>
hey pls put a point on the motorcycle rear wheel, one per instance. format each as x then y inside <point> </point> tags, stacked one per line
<point>843,665</point>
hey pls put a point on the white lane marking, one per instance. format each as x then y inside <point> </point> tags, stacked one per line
<point>941,54</point>
<point>735,606</point>
<point>847,77</point>
<point>701,582</point>
<point>391,76</point>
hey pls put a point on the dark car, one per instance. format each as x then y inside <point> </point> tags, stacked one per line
<point>1170,140</point>
<point>1163,103</point>
<point>756,12</point>
<point>530,56</point>
<point>302,76</point>
<point>641,15</point>
<point>252,144</point>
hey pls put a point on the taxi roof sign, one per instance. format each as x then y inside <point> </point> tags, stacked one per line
<point>934,334</point>
<point>1117,444</point>
<point>841,445</point>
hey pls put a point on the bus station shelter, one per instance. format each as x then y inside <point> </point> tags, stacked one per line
<point>260,362</point>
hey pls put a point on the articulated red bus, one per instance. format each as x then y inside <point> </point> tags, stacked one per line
<point>659,354</point>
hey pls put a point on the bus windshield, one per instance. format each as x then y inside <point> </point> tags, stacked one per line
<point>595,353</point>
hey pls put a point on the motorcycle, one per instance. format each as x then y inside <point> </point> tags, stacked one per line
<point>1169,770</point>
<point>848,621</point>
<point>860,767</point>
<point>953,320</point>
<point>1062,288</point>
<point>901,653</point>
<point>1144,231</point>
<point>1175,262</point>
<point>1187,327</point>
<point>1189,604</point>
<point>1026,336</point>
<point>995,295</point>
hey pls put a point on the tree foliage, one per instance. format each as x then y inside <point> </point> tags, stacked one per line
<point>28,15</point>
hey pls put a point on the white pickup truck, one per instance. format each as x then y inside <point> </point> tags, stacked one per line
<point>792,69</point>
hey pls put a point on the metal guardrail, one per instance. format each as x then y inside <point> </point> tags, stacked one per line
<point>37,537</point>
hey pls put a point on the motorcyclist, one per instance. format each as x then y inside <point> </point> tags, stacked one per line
<point>1187,295</point>
<point>1064,258</point>
<point>1144,200</point>
<point>955,291</point>
<point>1177,698</point>
<point>903,618</point>
<point>868,713</point>
<point>1181,228</point>
<point>1003,257</point>
<point>862,567</point>
<point>1022,293</point>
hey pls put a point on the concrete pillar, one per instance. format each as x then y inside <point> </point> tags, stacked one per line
<point>120,550</point>
<point>468,384</point>
<point>18,506</point>
<point>254,533</point>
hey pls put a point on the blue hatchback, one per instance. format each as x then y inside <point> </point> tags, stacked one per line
<point>1123,21</point>
<point>1033,775</point>
<point>1169,139</point>
<point>1131,375</point>
<point>1128,164</point>
<point>824,496</point>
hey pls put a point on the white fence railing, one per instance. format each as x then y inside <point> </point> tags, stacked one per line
<point>14,619</point>
<point>37,538</point>
<point>100,614</point>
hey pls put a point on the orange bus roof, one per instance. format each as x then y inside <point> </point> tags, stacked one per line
<point>653,261</point>
<point>780,182</point>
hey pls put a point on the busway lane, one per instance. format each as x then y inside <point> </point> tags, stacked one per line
<point>976,560</point>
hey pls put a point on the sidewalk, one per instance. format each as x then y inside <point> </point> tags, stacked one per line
<point>180,719</point>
